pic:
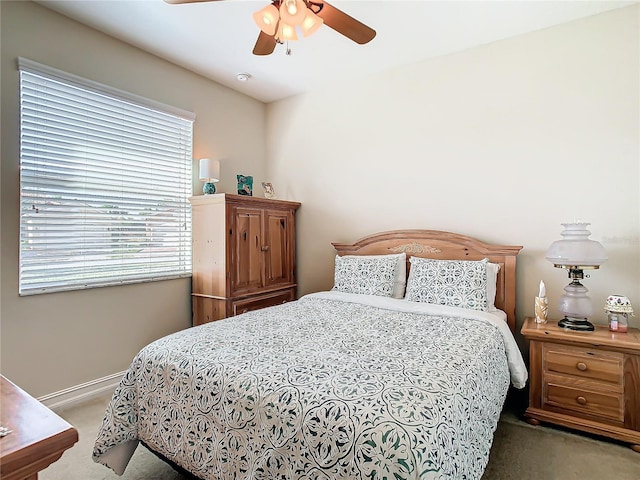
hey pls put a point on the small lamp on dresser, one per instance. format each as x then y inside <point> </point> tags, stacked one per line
<point>209,173</point>
<point>576,253</point>
<point>618,308</point>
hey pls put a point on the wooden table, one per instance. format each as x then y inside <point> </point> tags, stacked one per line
<point>39,437</point>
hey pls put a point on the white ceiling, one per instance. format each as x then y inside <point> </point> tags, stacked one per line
<point>215,39</point>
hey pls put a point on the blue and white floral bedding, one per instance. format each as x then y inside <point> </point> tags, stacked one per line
<point>333,386</point>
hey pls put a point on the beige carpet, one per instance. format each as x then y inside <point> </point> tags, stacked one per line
<point>520,451</point>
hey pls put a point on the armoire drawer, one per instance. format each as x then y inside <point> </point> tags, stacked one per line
<point>255,303</point>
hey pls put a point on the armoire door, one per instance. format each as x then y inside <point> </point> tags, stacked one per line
<point>279,255</point>
<point>246,242</point>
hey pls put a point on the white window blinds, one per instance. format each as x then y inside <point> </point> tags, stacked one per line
<point>105,178</point>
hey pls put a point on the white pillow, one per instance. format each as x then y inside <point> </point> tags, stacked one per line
<point>456,283</point>
<point>492,281</point>
<point>383,275</point>
<point>400,282</point>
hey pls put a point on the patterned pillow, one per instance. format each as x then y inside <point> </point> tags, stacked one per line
<point>456,283</point>
<point>368,274</point>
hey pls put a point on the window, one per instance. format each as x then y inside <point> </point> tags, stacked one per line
<point>105,178</point>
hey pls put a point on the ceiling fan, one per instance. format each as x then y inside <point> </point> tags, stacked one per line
<point>279,19</point>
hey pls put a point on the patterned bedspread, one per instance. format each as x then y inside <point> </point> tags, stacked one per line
<point>321,388</point>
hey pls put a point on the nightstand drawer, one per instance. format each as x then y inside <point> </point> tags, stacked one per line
<point>602,367</point>
<point>601,404</point>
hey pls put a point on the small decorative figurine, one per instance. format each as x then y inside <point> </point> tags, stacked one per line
<point>542,304</point>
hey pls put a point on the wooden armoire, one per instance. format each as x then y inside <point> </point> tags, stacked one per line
<point>243,254</point>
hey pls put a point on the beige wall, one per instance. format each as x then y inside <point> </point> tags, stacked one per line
<point>55,341</point>
<point>502,142</point>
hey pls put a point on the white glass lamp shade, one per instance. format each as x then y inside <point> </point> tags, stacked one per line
<point>293,12</point>
<point>267,19</point>
<point>209,170</point>
<point>286,32</point>
<point>576,250</point>
<point>311,23</point>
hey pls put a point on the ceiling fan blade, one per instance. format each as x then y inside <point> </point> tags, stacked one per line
<point>265,45</point>
<point>176,2</point>
<point>345,24</point>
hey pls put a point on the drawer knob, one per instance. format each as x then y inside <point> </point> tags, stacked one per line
<point>581,400</point>
<point>581,366</point>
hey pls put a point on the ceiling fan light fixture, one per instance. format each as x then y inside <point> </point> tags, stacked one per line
<point>267,19</point>
<point>311,23</point>
<point>293,12</point>
<point>279,20</point>
<point>286,32</point>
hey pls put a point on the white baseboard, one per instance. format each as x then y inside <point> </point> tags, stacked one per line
<point>81,393</point>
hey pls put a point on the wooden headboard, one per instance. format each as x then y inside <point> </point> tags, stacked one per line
<point>446,246</point>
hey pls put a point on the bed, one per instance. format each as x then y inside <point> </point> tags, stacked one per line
<point>400,371</point>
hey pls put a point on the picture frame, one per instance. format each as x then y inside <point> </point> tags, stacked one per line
<point>245,185</point>
<point>269,192</point>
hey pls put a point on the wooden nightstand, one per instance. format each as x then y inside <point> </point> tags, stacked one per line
<point>589,381</point>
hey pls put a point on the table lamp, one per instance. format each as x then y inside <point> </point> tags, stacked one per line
<point>209,173</point>
<point>576,253</point>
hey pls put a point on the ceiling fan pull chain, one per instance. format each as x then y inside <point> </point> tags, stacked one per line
<point>287,49</point>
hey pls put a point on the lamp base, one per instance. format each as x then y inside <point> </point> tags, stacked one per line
<point>577,324</point>
<point>209,188</point>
